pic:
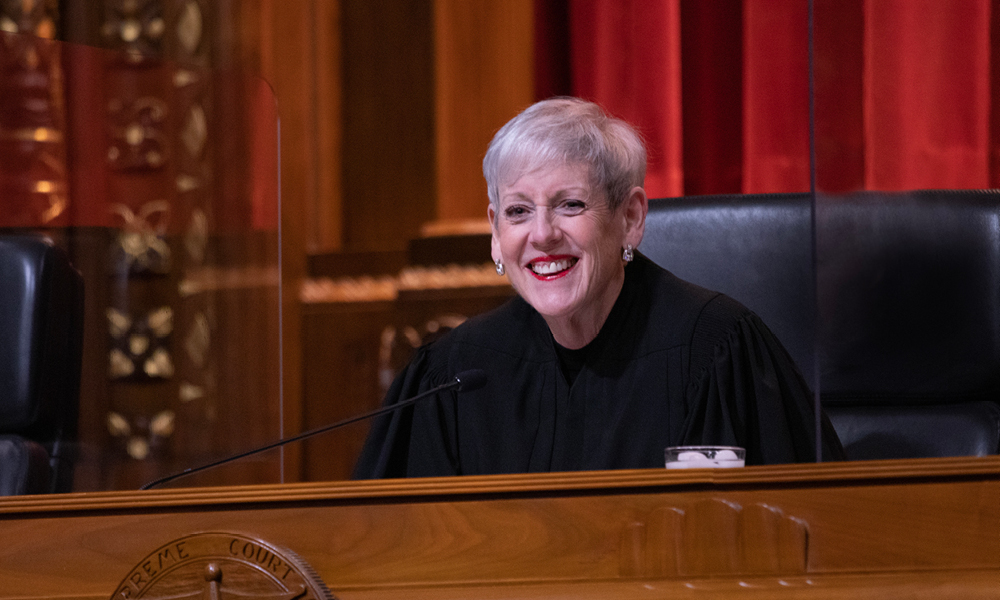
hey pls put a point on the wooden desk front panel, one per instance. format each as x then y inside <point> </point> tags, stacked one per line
<point>890,529</point>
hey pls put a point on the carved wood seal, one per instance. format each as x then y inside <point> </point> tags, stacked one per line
<point>221,566</point>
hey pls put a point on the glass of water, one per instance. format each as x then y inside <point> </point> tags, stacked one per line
<point>704,457</point>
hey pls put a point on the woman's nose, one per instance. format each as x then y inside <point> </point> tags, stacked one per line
<point>544,229</point>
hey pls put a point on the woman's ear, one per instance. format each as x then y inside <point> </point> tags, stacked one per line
<point>634,212</point>
<point>494,240</point>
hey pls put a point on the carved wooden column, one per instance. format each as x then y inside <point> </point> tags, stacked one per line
<point>177,235</point>
<point>157,124</point>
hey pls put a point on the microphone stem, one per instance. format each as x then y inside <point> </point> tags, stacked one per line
<point>306,434</point>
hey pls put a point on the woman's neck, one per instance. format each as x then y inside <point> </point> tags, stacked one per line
<point>579,328</point>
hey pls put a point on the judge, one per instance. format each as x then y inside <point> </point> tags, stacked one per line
<point>603,359</point>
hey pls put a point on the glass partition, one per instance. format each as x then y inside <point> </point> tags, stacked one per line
<point>885,296</point>
<point>160,179</point>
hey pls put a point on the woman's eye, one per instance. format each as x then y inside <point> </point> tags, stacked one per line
<point>573,206</point>
<point>515,212</point>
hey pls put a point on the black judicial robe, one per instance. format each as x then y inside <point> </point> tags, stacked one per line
<point>674,364</point>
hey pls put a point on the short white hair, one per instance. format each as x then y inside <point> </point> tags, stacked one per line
<point>567,131</point>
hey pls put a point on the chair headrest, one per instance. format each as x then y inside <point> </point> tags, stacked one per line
<point>40,312</point>
<point>900,292</point>
<point>909,293</point>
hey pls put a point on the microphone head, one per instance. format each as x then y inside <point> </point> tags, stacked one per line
<point>473,379</point>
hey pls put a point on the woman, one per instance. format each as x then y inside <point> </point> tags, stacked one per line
<point>603,359</point>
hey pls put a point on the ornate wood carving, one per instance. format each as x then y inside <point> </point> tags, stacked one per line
<point>137,137</point>
<point>158,215</point>
<point>33,180</point>
<point>36,17</point>
<point>163,170</point>
<point>715,536</point>
<point>136,28</point>
<point>221,566</point>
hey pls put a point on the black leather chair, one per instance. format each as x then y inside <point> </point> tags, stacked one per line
<point>898,322</point>
<point>41,325</point>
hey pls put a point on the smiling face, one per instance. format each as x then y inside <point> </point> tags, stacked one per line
<point>561,245</point>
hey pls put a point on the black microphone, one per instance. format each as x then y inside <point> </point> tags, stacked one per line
<point>466,381</point>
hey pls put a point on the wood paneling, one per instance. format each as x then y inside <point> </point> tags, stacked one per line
<point>425,87</point>
<point>887,529</point>
<point>326,222</point>
<point>483,77</point>
<point>352,350</point>
<point>388,122</point>
<point>341,344</point>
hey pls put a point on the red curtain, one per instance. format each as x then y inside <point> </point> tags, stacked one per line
<point>626,56</point>
<point>775,96</point>
<point>720,89</point>
<point>927,93</point>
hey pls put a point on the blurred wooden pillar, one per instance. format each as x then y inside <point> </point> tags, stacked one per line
<point>299,45</point>
<point>387,118</point>
<point>484,54</point>
<point>299,53</point>
<point>425,86</point>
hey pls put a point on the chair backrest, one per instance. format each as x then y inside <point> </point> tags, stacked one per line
<point>900,315</point>
<point>41,326</point>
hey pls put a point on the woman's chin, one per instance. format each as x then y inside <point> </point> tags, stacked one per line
<point>556,307</point>
<point>558,297</point>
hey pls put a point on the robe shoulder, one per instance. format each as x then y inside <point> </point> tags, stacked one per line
<point>512,329</point>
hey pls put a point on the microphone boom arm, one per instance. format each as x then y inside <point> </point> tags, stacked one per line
<point>464,381</point>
